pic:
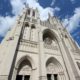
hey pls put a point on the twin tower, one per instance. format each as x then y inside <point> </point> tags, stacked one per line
<point>38,50</point>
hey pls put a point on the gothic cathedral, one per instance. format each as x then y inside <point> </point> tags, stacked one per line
<point>38,50</point>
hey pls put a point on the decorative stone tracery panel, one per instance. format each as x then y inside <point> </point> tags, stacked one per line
<point>53,67</point>
<point>25,70</point>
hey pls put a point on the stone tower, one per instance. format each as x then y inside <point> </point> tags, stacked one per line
<point>38,50</point>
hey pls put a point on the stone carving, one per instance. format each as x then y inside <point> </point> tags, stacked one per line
<point>26,70</point>
<point>29,44</point>
<point>51,68</point>
<point>54,47</point>
<point>47,24</point>
<point>48,41</point>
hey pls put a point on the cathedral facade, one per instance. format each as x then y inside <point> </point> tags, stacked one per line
<point>38,50</point>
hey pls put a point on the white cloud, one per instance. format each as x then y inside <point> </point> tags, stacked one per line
<point>73,1</point>
<point>53,2</point>
<point>73,22</point>
<point>17,6</point>
<point>56,9</point>
<point>5,24</point>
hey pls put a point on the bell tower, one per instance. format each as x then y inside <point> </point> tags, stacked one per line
<point>38,50</point>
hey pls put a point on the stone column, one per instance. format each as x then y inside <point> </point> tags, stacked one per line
<point>42,68</point>
<point>14,74</point>
<point>52,77</point>
<point>23,77</point>
<point>66,61</point>
<point>71,60</point>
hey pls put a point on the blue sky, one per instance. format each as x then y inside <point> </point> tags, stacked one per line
<point>68,11</point>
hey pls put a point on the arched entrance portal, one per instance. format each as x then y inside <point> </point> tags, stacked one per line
<point>24,70</point>
<point>54,70</point>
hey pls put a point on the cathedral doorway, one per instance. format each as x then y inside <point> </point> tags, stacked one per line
<point>24,70</point>
<point>54,70</point>
<point>22,77</point>
<point>52,77</point>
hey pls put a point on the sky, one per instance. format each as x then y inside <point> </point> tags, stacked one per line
<point>68,11</point>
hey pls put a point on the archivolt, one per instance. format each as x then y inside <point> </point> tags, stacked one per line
<point>51,33</point>
<point>24,58</point>
<point>56,64</point>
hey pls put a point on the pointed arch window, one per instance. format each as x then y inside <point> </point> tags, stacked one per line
<point>48,40</point>
<point>26,32</point>
<point>33,33</point>
<point>26,24</point>
<point>33,14</point>
<point>48,37</point>
<point>24,67</point>
<point>33,26</point>
<point>28,11</point>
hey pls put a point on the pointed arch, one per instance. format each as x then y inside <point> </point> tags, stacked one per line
<point>51,34</point>
<point>24,68</point>
<point>26,24</point>
<point>54,69</point>
<point>33,26</point>
<point>25,58</point>
<point>54,61</point>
